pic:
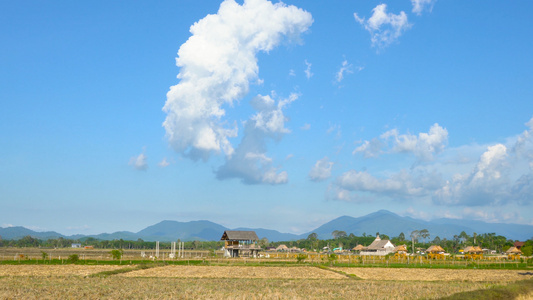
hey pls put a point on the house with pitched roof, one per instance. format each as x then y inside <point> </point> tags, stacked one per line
<point>379,247</point>
<point>240,243</point>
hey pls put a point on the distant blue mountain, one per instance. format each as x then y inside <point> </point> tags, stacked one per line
<point>383,221</point>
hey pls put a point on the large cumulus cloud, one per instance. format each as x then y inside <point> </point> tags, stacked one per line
<point>217,64</point>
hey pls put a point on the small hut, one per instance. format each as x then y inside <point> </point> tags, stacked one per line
<point>472,252</point>
<point>513,253</point>
<point>282,248</point>
<point>435,252</point>
<point>379,247</point>
<point>358,248</point>
<point>400,251</point>
<point>240,243</point>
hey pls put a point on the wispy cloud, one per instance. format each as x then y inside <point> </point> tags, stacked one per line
<point>249,162</point>
<point>346,68</point>
<point>384,28</point>
<point>307,71</point>
<point>306,126</point>
<point>423,145</point>
<point>421,5</point>
<point>321,170</point>
<point>163,163</point>
<point>139,162</point>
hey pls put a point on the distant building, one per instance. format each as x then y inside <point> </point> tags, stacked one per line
<point>519,245</point>
<point>240,243</point>
<point>76,245</point>
<point>379,247</point>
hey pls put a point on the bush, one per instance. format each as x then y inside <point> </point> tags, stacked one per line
<point>301,257</point>
<point>332,258</point>
<point>73,258</point>
<point>117,253</point>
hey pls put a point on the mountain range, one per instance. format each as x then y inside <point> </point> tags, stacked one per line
<point>383,221</point>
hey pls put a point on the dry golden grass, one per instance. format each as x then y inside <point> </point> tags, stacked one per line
<point>525,297</point>
<point>114,287</point>
<point>236,272</point>
<point>434,274</point>
<point>53,270</point>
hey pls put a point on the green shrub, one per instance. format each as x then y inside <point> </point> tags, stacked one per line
<point>117,253</point>
<point>73,258</point>
<point>301,257</point>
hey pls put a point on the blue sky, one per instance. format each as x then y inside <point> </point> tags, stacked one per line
<point>118,115</point>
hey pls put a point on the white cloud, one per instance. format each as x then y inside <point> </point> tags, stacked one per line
<point>482,186</point>
<point>270,117</point>
<point>401,184</point>
<point>250,162</point>
<point>163,163</point>
<point>306,126</point>
<point>422,146</point>
<point>372,148</point>
<point>321,170</point>
<point>503,174</point>
<point>217,64</point>
<point>420,5</point>
<point>307,71</point>
<point>384,28</point>
<point>345,68</point>
<point>139,162</point>
<point>292,72</point>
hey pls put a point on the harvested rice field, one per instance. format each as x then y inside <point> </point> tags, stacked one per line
<point>242,282</point>
<point>54,270</point>
<point>403,274</point>
<point>236,272</point>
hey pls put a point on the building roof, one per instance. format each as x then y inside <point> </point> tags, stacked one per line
<point>513,250</point>
<point>358,247</point>
<point>435,249</point>
<point>378,244</point>
<point>518,244</point>
<point>400,248</point>
<point>234,235</point>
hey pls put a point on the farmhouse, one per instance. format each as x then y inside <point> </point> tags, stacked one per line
<point>240,243</point>
<point>379,247</point>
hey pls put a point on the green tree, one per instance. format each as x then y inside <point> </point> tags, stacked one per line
<point>263,243</point>
<point>401,237</point>
<point>44,255</point>
<point>313,236</point>
<point>339,234</point>
<point>527,250</point>
<point>424,233</point>
<point>117,253</point>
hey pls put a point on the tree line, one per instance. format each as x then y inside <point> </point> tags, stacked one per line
<point>417,239</point>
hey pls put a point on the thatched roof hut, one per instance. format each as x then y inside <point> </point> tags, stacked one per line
<point>400,248</point>
<point>358,248</point>
<point>282,248</point>
<point>435,249</point>
<point>239,235</point>
<point>513,250</point>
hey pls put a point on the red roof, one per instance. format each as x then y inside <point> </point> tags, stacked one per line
<point>519,244</point>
